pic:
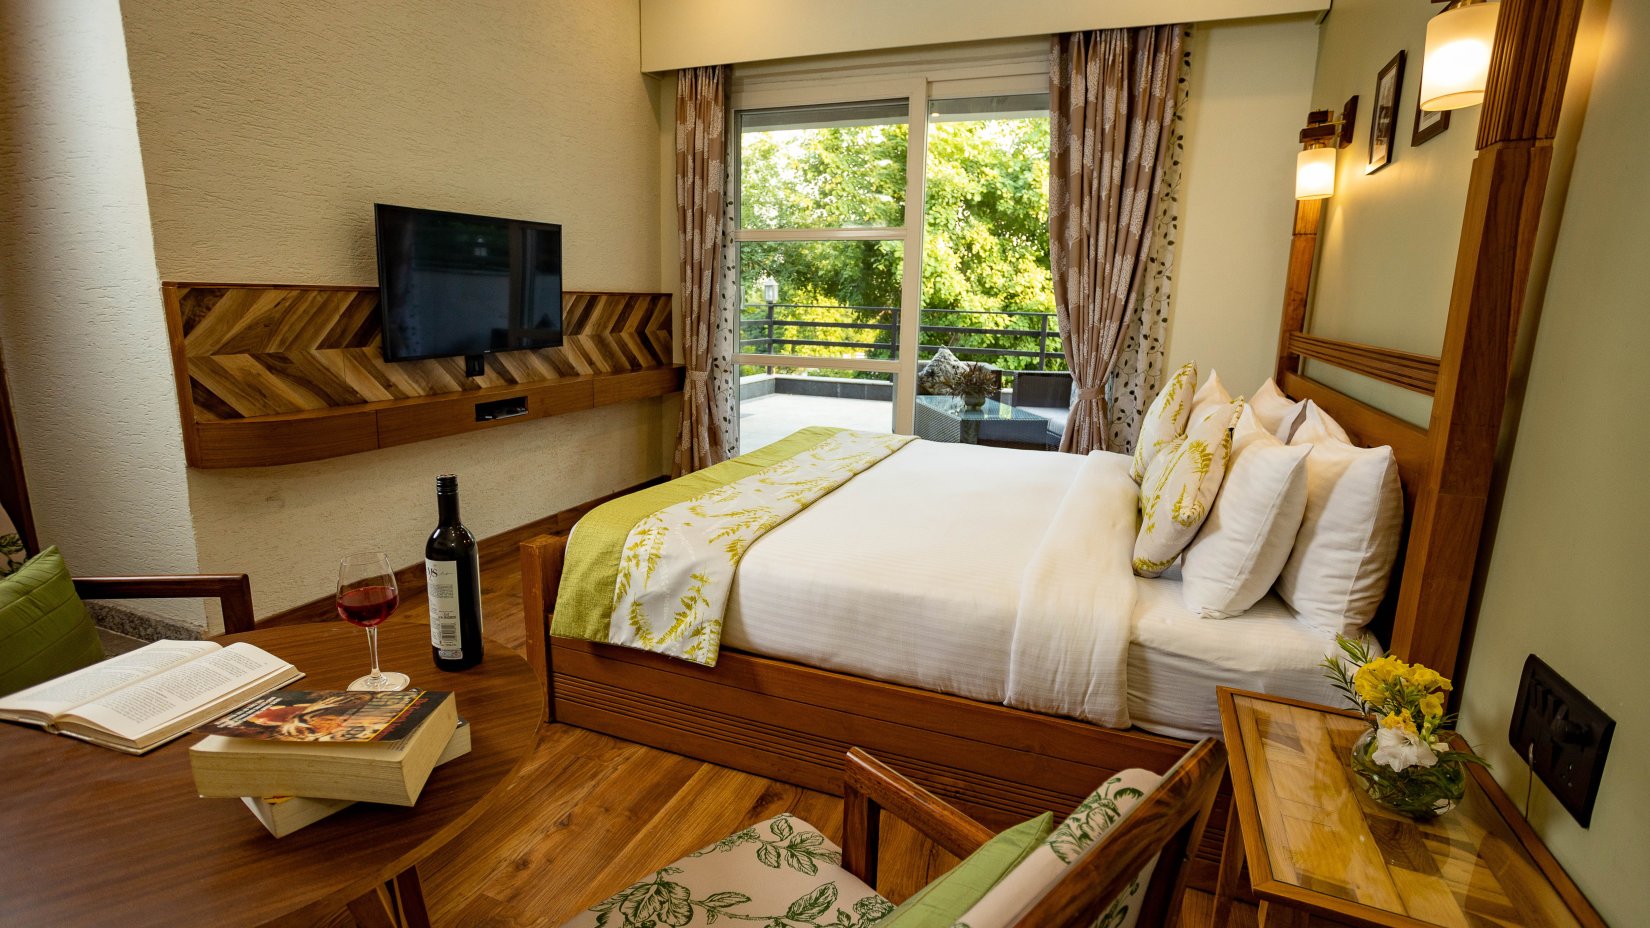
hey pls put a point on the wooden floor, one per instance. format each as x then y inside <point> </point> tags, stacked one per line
<point>588,814</point>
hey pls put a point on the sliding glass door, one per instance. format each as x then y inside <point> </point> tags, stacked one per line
<point>873,232</point>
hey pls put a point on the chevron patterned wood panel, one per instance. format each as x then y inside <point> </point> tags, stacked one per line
<point>263,350</point>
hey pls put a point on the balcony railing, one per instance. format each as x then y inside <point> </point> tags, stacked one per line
<point>1030,341</point>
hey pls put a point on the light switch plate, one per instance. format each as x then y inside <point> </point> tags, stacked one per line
<point>1564,735</point>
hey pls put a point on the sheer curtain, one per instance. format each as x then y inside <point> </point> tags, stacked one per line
<point>1111,94</point>
<point>1138,373</point>
<point>701,177</point>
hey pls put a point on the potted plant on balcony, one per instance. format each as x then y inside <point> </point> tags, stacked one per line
<point>976,382</point>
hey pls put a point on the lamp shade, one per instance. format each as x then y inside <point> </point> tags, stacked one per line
<point>1315,173</point>
<point>1457,63</point>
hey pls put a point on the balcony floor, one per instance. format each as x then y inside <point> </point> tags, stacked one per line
<point>764,420</point>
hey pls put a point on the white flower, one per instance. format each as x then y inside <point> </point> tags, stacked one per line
<point>1401,750</point>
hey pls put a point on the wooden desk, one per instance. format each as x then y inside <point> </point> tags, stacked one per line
<point>95,837</point>
<point>1316,845</point>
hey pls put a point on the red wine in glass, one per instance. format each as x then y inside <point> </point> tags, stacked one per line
<point>366,606</point>
<point>367,594</point>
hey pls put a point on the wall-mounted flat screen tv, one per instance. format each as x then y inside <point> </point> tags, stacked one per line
<point>455,284</point>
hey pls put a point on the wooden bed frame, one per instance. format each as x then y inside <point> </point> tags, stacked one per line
<point>793,723</point>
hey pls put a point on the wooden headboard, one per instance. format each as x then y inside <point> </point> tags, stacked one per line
<point>1448,466</point>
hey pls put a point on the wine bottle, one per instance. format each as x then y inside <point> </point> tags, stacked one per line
<point>454,574</point>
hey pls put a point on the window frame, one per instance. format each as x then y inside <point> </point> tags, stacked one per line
<point>934,76</point>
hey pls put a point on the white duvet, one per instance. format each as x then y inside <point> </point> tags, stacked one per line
<point>1005,584</point>
<point>1001,576</point>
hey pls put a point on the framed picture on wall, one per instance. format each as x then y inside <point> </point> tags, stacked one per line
<point>1388,84</point>
<point>1428,123</point>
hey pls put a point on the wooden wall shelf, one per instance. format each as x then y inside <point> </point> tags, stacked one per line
<point>280,373</point>
<point>313,435</point>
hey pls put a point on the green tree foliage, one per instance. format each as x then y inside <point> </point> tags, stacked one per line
<point>985,243</point>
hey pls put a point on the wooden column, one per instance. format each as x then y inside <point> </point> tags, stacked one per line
<point>14,489</point>
<point>1303,251</point>
<point>1528,69</point>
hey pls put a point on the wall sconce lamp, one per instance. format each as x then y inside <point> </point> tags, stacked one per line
<point>770,290</point>
<point>1457,62</point>
<point>1322,138</point>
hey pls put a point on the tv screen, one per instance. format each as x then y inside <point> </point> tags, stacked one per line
<point>454,284</point>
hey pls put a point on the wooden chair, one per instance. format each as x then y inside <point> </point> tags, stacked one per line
<point>784,870</point>
<point>1165,825</point>
<point>232,591</point>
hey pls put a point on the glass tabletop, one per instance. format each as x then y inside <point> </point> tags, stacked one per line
<point>1324,834</point>
<point>954,407</point>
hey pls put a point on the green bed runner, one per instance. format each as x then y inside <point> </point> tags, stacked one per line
<point>612,550</point>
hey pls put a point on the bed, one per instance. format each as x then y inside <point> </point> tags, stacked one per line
<point>790,715</point>
<point>911,574</point>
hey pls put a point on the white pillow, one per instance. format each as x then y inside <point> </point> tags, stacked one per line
<point>1281,416</point>
<point>1251,529</point>
<point>1179,488</point>
<point>1211,394</point>
<point>1277,413</point>
<point>1165,419</point>
<point>1337,574</point>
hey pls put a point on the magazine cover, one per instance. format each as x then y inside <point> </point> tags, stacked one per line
<point>328,715</point>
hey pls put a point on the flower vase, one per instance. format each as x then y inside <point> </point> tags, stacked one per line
<point>1416,791</point>
<point>973,400</point>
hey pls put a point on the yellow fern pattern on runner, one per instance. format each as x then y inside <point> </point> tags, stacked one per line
<point>678,563</point>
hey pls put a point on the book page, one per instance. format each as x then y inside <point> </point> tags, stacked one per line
<point>173,694</point>
<point>59,695</point>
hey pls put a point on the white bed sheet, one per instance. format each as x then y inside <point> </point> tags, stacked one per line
<point>1177,658</point>
<point>925,593</point>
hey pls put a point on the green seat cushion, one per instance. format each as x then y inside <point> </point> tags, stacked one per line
<point>947,898</point>
<point>45,631</point>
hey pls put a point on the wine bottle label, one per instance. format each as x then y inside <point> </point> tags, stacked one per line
<point>445,636</point>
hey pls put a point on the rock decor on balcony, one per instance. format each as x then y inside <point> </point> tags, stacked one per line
<point>976,383</point>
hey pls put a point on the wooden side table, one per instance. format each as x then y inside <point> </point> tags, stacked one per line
<point>96,837</point>
<point>1316,845</point>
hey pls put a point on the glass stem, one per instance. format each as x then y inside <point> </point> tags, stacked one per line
<point>372,648</point>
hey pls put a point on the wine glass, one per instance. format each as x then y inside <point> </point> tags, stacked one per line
<point>367,594</point>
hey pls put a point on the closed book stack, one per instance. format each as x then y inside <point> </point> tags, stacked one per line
<point>377,748</point>
<point>283,815</point>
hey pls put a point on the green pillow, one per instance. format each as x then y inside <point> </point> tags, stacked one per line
<point>44,629</point>
<point>949,897</point>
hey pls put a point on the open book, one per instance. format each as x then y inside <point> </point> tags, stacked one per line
<point>142,699</point>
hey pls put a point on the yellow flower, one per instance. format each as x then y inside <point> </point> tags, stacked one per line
<point>1426,679</point>
<point>1432,705</point>
<point>1371,679</point>
<point>1399,720</point>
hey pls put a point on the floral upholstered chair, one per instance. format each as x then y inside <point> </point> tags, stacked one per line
<point>778,872</point>
<point>1117,861</point>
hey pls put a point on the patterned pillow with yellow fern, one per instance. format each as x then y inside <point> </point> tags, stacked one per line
<point>1179,488</point>
<point>1165,419</point>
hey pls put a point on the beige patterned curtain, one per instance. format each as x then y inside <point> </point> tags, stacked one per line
<point>701,150</point>
<point>1110,94</point>
<point>1138,372</point>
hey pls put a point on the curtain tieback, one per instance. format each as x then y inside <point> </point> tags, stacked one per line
<point>698,376</point>
<point>1091,393</point>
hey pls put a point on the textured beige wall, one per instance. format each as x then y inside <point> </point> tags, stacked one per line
<point>268,131</point>
<point>1387,249</point>
<point>685,33</point>
<point>1250,82</point>
<point>80,312</point>
<point>1569,546</point>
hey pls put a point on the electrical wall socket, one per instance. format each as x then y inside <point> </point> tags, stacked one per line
<point>1563,735</point>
